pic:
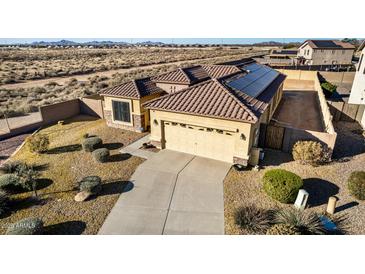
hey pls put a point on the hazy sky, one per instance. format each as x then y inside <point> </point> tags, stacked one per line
<point>165,40</point>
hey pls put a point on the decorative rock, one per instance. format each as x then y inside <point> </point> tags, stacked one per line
<point>301,200</point>
<point>331,207</point>
<point>82,196</point>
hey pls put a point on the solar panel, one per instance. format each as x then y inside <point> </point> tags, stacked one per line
<point>257,79</point>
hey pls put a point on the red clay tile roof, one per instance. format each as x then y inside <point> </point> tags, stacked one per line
<point>188,76</point>
<point>209,99</point>
<point>218,71</point>
<point>135,89</point>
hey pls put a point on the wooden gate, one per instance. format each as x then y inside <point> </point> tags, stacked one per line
<point>274,137</point>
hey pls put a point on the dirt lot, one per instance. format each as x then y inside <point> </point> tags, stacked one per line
<point>299,109</point>
<point>62,166</point>
<point>245,187</point>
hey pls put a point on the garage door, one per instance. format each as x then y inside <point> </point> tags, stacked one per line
<point>206,142</point>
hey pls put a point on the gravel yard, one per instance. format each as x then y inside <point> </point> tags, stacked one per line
<point>245,187</point>
<point>62,166</point>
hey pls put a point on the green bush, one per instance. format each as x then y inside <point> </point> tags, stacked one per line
<point>4,199</point>
<point>305,222</point>
<point>253,219</point>
<point>28,177</point>
<point>310,152</point>
<point>9,180</point>
<point>356,184</point>
<point>90,184</point>
<point>38,143</point>
<point>91,143</point>
<point>282,229</point>
<point>282,185</point>
<point>28,226</point>
<point>101,155</point>
<point>328,87</point>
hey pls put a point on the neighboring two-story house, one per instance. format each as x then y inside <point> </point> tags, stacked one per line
<point>357,95</point>
<point>325,52</point>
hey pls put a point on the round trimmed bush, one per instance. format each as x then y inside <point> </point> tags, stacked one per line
<point>7,180</point>
<point>91,143</point>
<point>310,153</point>
<point>101,155</point>
<point>90,184</point>
<point>282,185</point>
<point>282,229</point>
<point>356,184</point>
<point>28,226</point>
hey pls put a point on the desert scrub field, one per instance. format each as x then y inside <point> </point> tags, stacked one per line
<point>19,101</point>
<point>32,63</point>
<point>62,166</point>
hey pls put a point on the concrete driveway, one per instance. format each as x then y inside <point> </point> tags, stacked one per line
<point>173,193</point>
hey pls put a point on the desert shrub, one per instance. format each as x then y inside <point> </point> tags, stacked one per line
<point>38,143</point>
<point>306,222</point>
<point>101,155</point>
<point>92,143</point>
<point>28,177</point>
<point>356,184</point>
<point>310,152</point>
<point>90,184</point>
<point>9,180</point>
<point>282,229</point>
<point>28,226</point>
<point>85,136</point>
<point>253,219</point>
<point>282,185</point>
<point>10,167</point>
<point>4,199</point>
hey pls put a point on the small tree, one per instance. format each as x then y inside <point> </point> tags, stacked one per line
<point>38,143</point>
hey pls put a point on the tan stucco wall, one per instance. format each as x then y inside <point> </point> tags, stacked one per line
<point>326,56</point>
<point>241,147</point>
<point>136,107</point>
<point>171,87</point>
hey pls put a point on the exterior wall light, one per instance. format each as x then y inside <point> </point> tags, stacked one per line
<point>243,137</point>
<point>155,122</point>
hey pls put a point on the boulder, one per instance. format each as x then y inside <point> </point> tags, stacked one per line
<point>82,196</point>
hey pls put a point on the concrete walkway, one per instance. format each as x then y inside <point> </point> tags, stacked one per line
<point>172,193</point>
<point>134,148</point>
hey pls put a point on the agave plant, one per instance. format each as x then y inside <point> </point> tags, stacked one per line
<point>307,223</point>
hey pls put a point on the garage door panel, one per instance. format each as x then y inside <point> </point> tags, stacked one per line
<point>209,144</point>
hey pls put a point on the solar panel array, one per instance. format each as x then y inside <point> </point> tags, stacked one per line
<point>257,79</point>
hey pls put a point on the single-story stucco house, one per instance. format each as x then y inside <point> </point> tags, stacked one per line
<point>218,117</point>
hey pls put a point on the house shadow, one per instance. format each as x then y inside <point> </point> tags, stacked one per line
<point>116,187</point>
<point>275,158</point>
<point>64,149</point>
<point>319,190</point>
<point>112,146</point>
<point>119,157</point>
<point>65,228</point>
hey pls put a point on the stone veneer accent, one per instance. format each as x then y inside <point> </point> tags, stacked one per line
<point>240,161</point>
<point>137,122</point>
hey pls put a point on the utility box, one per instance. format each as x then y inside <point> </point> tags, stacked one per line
<point>301,200</point>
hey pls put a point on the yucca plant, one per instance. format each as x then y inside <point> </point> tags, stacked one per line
<point>253,219</point>
<point>307,223</point>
